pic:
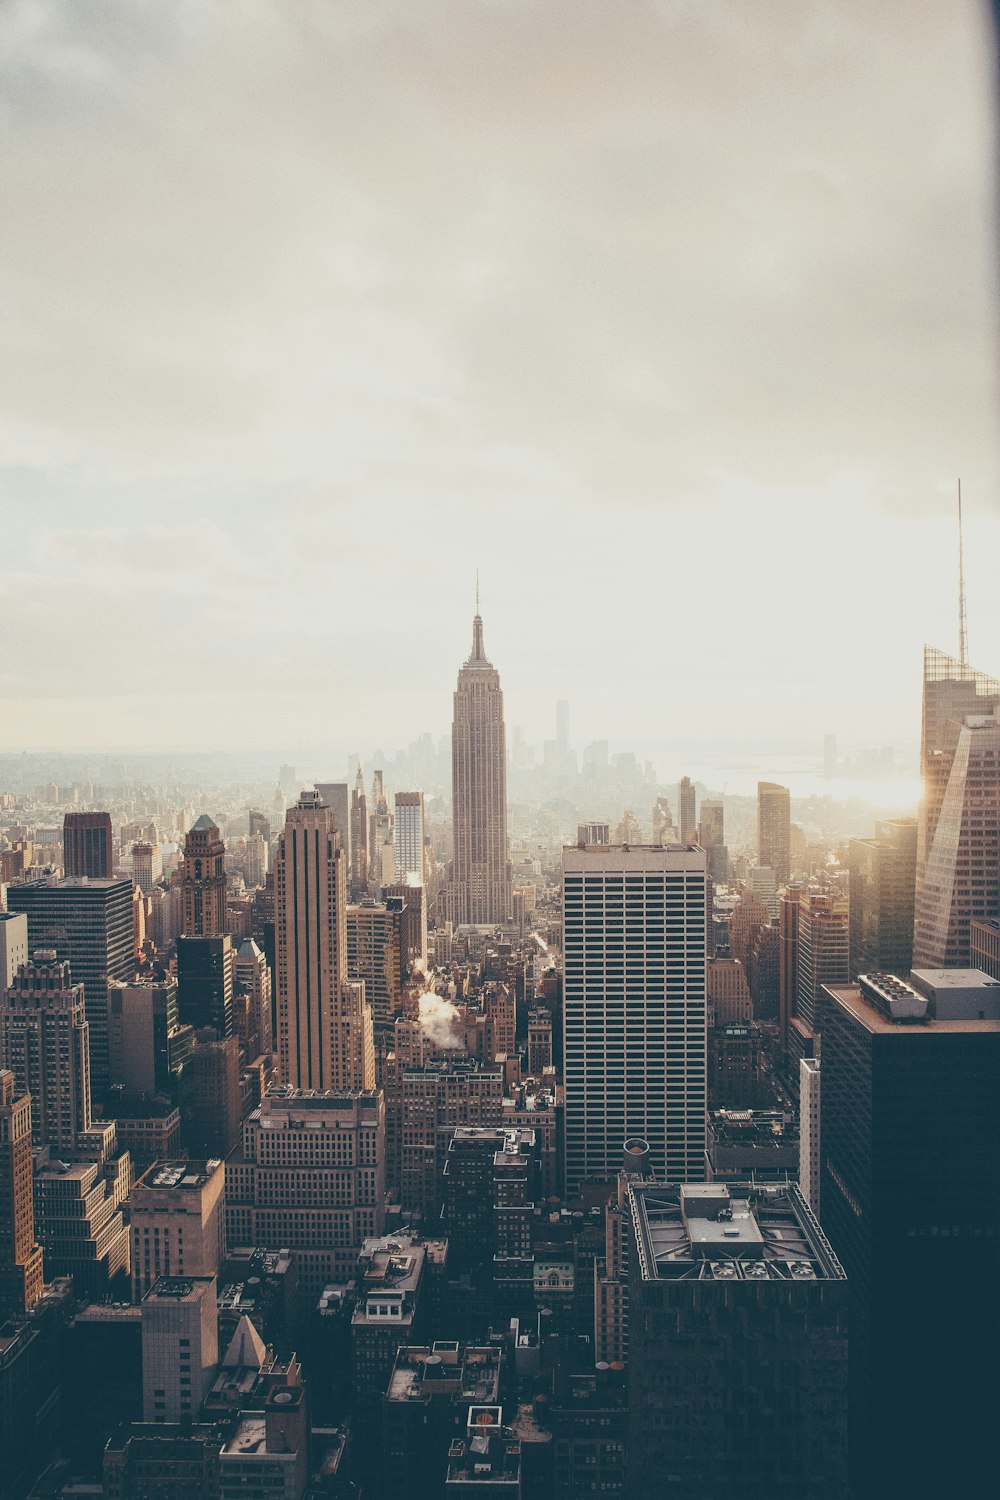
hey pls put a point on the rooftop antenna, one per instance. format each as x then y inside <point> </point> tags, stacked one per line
<point>477,570</point>
<point>963,628</point>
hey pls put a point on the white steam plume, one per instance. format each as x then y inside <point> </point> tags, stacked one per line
<point>439,1019</point>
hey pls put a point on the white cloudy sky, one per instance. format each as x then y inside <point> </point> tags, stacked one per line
<point>676,319</point>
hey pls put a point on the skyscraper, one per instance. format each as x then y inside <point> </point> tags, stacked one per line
<point>88,845</point>
<point>774,820</point>
<point>44,1041</point>
<point>959,879</point>
<point>634,1008</point>
<point>89,924</point>
<point>13,946</point>
<point>479,886</point>
<point>324,1024</point>
<point>409,838</point>
<point>951,691</point>
<point>359,835</point>
<point>823,958</point>
<point>205,982</point>
<point>204,880</point>
<point>911,1203</point>
<point>20,1254</point>
<point>374,936</point>
<point>882,875</point>
<point>337,796</point>
<point>687,817</point>
<point>712,838</point>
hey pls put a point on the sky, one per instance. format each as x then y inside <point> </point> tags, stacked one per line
<point>677,321</point>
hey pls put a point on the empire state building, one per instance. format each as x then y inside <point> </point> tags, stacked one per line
<point>479,886</point>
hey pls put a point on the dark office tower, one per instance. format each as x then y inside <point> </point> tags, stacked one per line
<point>490,1187</point>
<point>911,1202</point>
<point>89,924</point>
<point>203,883</point>
<point>44,1041</point>
<point>960,877</point>
<point>359,835</point>
<point>952,690</point>
<point>882,876</point>
<point>88,845</point>
<point>687,817</point>
<point>712,838</point>
<point>634,1008</point>
<point>737,1316</point>
<point>774,829</point>
<point>205,983</point>
<point>479,882</point>
<point>337,796</point>
<point>211,1100</point>
<point>20,1255</point>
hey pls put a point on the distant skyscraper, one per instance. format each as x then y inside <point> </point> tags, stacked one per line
<point>20,1254</point>
<point>788,958</point>
<point>408,838</point>
<point>374,936</point>
<point>337,796</point>
<point>882,875</point>
<point>712,838</point>
<point>687,817</point>
<point>324,1024</point>
<point>774,829</point>
<point>479,887</point>
<point>823,958</point>
<point>44,1042</point>
<point>13,946</point>
<point>634,1009</point>
<point>147,865</point>
<point>88,845</point>
<point>562,727</point>
<point>951,691</point>
<point>959,880</point>
<point>911,1203</point>
<point>359,835</point>
<point>204,880</point>
<point>89,924</point>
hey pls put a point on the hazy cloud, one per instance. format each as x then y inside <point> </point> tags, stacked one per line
<point>672,317</point>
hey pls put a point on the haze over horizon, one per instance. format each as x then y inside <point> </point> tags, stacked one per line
<point>678,323</point>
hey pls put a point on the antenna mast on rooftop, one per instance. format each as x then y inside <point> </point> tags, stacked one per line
<point>963,628</point>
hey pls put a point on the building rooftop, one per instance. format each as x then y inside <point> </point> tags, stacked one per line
<point>957,978</point>
<point>874,1021</point>
<point>180,1289</point>
<point>179,1176</point>
<point>719,1232</point>
<point>248,1436</point>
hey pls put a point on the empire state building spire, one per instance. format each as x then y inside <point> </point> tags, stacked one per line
<point>479,885</point>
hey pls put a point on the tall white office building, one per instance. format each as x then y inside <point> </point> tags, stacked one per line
<point>809,1131</point>
<point>409,838</point>
<point>634,1008</point>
